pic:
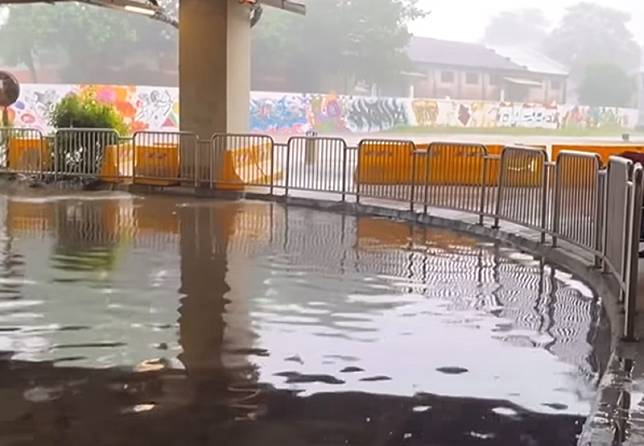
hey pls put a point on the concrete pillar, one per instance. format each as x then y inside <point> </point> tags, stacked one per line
<point>214,66</point>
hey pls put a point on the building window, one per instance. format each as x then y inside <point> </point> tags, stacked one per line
<point>495,80</point>
<point>471,78</point>
<point>556,85</point>
<point>447,77</point>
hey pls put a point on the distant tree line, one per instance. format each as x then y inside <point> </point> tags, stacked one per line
<point>340,45</point>
<point>337,45</point>
<point>593,41</point>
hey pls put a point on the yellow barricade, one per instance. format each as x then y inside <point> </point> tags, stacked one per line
<point>247,166</point>
<point>605,151</point>
<point>117,163</point>
<point>29,155</point>
<point>157,165</point>
<point>387,163</point>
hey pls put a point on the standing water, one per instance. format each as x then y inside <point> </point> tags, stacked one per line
<point>151,320</point>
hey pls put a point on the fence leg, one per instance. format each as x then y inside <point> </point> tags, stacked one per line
<point>630,305</point>
<point>484,175</point>
<point>344,173</point>
<point>544,201</point>
<point>412,195</point>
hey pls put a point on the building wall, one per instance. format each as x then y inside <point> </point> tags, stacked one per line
<point>481,84</point>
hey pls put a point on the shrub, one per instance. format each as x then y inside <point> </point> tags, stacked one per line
<point>82,153</point>
<point>84,111</point>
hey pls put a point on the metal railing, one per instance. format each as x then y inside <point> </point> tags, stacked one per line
<point>24,150</point>
<point>523,188</point>
<point>386,170</point>
<point>454,176</point>
<point>577,203</point>
<point>316,164</point>
<point>574,200</point>
<point>80,152</point>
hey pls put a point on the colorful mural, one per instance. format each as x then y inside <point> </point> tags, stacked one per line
<point>157,108</point>
<point>143,108</point>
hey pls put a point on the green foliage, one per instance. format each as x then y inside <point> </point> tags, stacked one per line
<point>593,34</point>
<point>86,112</point>
<point>606,85</point>
<point>336,45</point>
<point>92,44</point>
<point>83,152</point>
<point>518,27</point>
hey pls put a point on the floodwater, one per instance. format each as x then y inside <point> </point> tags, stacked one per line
<point>156,320</point>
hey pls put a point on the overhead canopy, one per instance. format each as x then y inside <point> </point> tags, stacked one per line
<point>151,8</point>
<point>297,6</point>
<point>524,82</point>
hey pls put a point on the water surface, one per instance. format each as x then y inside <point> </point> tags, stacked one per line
<point>152,320</point>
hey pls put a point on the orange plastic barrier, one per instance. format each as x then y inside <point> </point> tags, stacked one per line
<point>388,163</point>
<point>157,165</point>
<point>604,151</point>
<point>117,163</point>
<point>29,155</point>
<point>247,166</point>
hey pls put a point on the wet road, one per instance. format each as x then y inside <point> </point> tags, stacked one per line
<point>147,320</point>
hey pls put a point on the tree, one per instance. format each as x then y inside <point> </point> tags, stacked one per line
<point>527,27</point>
<point>606,85</point>
<point>88,42</point>
<point>343,40</point>
<point>593,34</point>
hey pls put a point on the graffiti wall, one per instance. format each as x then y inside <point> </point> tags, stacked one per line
<point>143,108</point>
<point>157,108</point>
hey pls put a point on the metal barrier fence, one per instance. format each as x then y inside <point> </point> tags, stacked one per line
<point>577,210</point>
<point>80,152</point>
<point>316,164</point>
<point>24,150</point>
<point>386,170</point>
<point>240,160</point>
<point>617,214</point>
<point>573,200</point>
<point>523,188</point>
<point>454,176</point>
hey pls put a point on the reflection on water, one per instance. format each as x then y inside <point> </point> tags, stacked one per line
<point>198,322</point>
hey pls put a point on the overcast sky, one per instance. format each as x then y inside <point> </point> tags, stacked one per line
<point>465,20</point>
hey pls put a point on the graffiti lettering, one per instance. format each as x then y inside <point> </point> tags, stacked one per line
<point>157,109</point>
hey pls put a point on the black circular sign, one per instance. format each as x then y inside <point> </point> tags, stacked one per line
<point>9,89</point>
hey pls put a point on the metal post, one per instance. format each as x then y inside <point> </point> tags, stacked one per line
<point>412,195</point>
<point>499,193</point>
<point>357,174</point>
<point>56,156</point>
<point>134,155</point>
<point>196,168</point>
<point>272,185</point>
<point>630,304</point>
<point>310,154</point>
<point>599,215</point>
<point>211,156</point>
<point>428,160</point>
<point>344,171</point>
<point>288,166</point>
<point>544,198</point>
<point>556,224</point>
<point>484,175</point>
